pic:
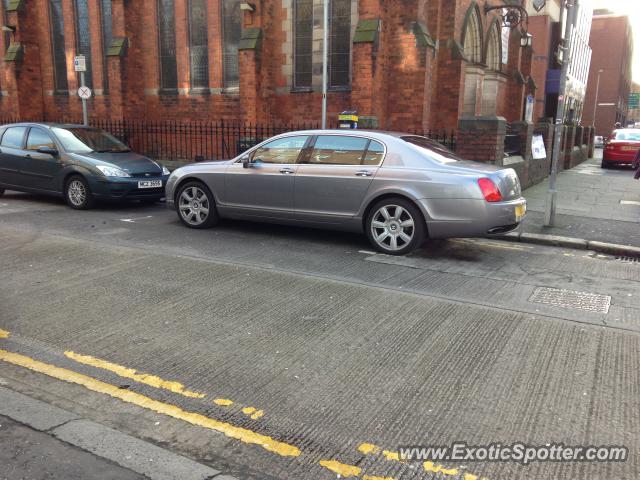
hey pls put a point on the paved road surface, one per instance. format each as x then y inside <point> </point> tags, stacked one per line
<point>320,345</point>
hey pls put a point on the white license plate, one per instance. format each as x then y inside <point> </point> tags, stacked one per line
<point>150,184</point>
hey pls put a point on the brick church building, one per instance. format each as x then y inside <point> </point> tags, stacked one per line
<point>402,64</point>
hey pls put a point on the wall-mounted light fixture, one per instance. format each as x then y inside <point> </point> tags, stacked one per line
<point>526,40</point>
<point>8,28</point>
<point>248,7</point>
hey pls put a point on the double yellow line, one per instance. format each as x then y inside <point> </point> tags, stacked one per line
<point>242,434</point>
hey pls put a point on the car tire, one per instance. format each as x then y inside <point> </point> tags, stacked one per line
<point>395,226</point>
<point>2,191</point>
<point>604,164</point>
<point>77,193</point>
<point>196,206</point>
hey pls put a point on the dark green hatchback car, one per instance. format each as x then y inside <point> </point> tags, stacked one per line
<point>81,163</point>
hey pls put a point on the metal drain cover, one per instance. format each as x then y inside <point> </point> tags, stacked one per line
<point>590,302</point>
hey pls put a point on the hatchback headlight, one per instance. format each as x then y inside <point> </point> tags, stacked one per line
<point>112,171</point>
<point>165,171</point>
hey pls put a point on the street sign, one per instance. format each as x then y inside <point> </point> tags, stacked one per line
<point>80,63</point>
<point>84,93</point>
<point>634,100</point>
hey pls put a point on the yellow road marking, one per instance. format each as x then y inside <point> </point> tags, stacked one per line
<point>431,468</point>
<point>231,431</point>
<point>151,380</point>
<point>368,448</point>
<point>342,469</point>
<point>4,334</point>
<point>254,413</point>
<point>223,402</point>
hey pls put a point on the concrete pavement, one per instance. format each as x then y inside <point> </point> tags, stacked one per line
<point>593,204</point>
<point>318,344</point>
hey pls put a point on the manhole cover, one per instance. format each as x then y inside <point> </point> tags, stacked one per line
<point>590,302</point>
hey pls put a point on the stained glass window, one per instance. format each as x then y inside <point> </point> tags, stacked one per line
<point>231,32</point>
<point>198,44</point>
<point>303,44</point>
<point>57,45</point>
<point>167,43</point>
<point>83,38</point>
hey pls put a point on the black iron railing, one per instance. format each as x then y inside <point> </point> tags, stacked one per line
<point>198,141</point>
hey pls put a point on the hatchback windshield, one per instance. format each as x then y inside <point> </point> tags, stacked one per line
<point>630,135</point>
<point>435,150</point>
<point>84,140</point>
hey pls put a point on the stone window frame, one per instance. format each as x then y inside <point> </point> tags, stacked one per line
<point>492,52</point>
<point>472,31</point>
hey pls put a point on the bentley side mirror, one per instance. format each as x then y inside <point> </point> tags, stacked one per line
<point>48,151</point>
<point>246,162</point>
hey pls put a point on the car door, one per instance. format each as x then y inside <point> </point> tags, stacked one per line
<point>41,169</point>
<point>12,156</point>
<point>334,176</point>
<point>266,187</point>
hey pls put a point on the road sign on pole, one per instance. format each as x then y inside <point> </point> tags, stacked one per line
<point>80,63</point>
<point>84,93</point>
<point>634,100</point>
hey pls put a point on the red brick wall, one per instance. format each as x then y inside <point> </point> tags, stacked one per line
<point>403,86</point>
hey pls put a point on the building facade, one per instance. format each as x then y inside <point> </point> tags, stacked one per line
<point>548,28</point>
<point>610,76</point>
<point>402,64</point>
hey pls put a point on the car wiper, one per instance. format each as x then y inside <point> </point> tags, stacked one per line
<point>112,150</point>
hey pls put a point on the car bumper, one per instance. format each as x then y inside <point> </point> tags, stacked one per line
<point>127,188</point>
<point>450,218</point>
<point>613,157</point>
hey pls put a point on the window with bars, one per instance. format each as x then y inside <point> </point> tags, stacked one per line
<point>198,44</point>
<point>340,43</point>
<point>57,46</point>
<point>231,32</point>
<point>303,43</point>
<point>167,45</point>
<point>83,38</point>
<point>107,36</point>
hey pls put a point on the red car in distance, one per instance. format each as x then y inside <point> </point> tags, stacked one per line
<point>621,147</point>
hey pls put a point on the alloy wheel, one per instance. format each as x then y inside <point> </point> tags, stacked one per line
<point>194,205</point>
<point>77,193</point>
<point>392,227</point>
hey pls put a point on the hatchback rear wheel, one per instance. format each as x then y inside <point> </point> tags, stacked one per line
<point>196,206</point>
<point>1,192</point>
<point>395,226</point>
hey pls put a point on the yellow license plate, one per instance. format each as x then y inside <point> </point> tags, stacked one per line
<point>520,211</point>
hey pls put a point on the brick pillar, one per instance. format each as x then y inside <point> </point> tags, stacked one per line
<point>24,76</point>
<point>249,56</point>
<point>570,143</point>
<point>115,63</point>
<point>368,95</point>
<point>482,139</point>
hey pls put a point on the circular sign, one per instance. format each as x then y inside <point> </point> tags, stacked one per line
<point>84,92</point>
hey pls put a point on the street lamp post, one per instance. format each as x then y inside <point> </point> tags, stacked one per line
<point>595,107</point>
<point>552,195</point>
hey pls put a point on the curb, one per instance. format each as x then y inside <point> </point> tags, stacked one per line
<point>570,242</point>
<point>137,455</point>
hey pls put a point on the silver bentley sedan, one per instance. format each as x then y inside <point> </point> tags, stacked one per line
<point>396,188</point>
